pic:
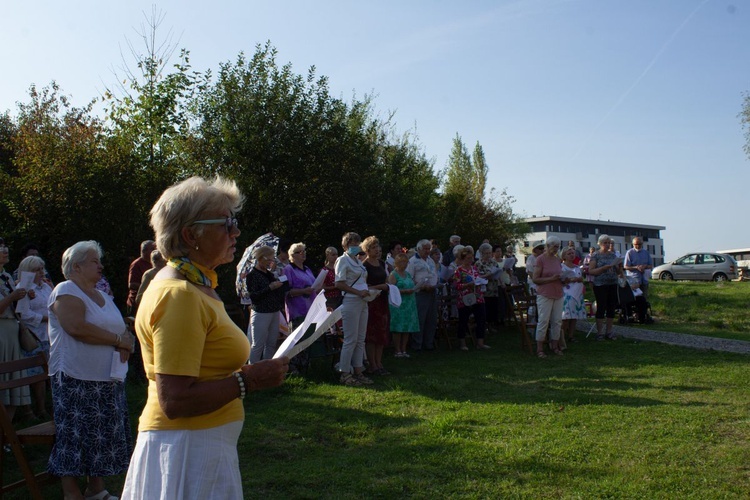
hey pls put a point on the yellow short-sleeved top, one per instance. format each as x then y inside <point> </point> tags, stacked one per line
<point>183,331</point>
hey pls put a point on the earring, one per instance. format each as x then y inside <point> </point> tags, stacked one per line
<point>196,247</point>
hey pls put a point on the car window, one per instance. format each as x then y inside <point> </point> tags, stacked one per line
<point>686,260</point>
<point>709,259</point>
<point>719,258</point>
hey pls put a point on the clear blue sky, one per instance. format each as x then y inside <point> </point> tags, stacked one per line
<point>624,111</point>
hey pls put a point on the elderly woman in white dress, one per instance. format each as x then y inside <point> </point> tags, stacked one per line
<point>193,353</point>
<point>35,318</point>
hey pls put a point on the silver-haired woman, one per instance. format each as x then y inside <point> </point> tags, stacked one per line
<point>193,354</point>
<point>90,409</point>
<point>35,318</point>
<point>605,266</point>
<point>549,296</point>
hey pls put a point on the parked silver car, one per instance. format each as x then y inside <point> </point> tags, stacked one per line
<point>698,266</point>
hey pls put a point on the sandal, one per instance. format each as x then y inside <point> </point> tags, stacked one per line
<point>600,337</point>
<point>382,371</point>
<point>559,352</point>
<point>611,336</point>
<point>349,380</point>
<point>540,354</point>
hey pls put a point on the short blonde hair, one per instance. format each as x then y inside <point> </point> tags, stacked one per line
<point>296,246</point>
<point>76,254</point>
<point>181,204</point>
<point>264,251</point>
<point>331,251</point>
<point>604,238</point>
<point>567,250</point>
<point>369,242</point>
<point>31,264</point>
<point>348,238</point>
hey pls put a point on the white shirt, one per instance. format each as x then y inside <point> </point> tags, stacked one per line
<point>423,271</point>
<point>32,317</point>
<point>72,357</point>
<point>350,271</point>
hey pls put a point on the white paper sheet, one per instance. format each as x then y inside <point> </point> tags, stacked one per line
<point>316,314</point>
<point>320,329</point>
<point>318,284</point>
<point>26,282</point>
<point>119,369</point>
<point>480,281</point>
<point>394,296</point>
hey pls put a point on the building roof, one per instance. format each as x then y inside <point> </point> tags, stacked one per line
<point>555,218</point>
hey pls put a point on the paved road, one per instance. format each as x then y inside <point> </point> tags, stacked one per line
<point>679,339</point>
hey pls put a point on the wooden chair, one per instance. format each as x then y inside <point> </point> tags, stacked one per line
<point>43,433</point>
<point>527,320</point>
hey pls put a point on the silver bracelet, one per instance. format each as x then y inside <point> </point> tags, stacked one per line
<point>241,382</point>
<point>118,339</point>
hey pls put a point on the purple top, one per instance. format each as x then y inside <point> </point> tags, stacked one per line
<point>298,278</point>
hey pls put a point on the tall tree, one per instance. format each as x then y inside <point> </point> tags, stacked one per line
<point>479,171</point>
<point>745,121</point>
<point>459,173</point>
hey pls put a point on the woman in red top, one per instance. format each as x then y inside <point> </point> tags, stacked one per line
<point>549,300</point>
<point>470,298</point>
<point>333,294</point>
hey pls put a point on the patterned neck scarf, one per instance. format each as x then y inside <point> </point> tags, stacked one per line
<point>194,272</point>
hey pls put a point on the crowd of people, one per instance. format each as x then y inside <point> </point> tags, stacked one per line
<point>200,365</point>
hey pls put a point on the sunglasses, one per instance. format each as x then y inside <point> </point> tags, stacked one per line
<point>229,223</point>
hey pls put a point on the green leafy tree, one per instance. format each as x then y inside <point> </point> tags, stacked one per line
<point>311,166</point>
<point>466,208</point>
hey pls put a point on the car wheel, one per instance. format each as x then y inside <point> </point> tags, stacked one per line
<point>720,277</point>
<point>666,275</point>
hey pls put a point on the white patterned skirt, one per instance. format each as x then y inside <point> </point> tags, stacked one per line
<point>186,464</point>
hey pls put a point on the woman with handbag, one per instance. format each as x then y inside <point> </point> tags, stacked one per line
<point>35,320</point>
<point>470,298</point>
<point>10,349</point>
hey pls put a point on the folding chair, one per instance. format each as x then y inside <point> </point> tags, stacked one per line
<point>43,433</point>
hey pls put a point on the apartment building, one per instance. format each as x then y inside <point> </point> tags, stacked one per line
<point>585,232</point>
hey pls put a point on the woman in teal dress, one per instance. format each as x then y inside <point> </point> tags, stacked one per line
<point>404,319</point>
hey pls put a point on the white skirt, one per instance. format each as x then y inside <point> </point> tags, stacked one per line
<point>176,465</point>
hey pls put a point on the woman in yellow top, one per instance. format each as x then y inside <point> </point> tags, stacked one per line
<point>193,354</point>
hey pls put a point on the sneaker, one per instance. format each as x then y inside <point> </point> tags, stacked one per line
<point>483,346</point>
<point>398,355</point>
<point>349,380</point>
<point>363,379</point>
<point>464,348</point>
<point>405,355</point>
<point>611,336</point>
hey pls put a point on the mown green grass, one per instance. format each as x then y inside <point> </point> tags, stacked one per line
<point>621,419</point>
<point>702,308</point>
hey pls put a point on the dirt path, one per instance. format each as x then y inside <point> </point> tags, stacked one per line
<point>679,339</point>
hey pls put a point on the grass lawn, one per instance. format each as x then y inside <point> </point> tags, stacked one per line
<point>616,419</point>
<point>621,419</point>
<point>702,308</point>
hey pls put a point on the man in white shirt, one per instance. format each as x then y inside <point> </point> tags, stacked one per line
<point>424,274</point>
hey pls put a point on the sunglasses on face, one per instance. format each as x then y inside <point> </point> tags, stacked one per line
<point>229,223</point>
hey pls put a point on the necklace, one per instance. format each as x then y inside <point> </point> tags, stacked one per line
<point>194,272</point>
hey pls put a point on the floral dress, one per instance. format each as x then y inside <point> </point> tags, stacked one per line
<point>573,305</point>
<point>404,319</point>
